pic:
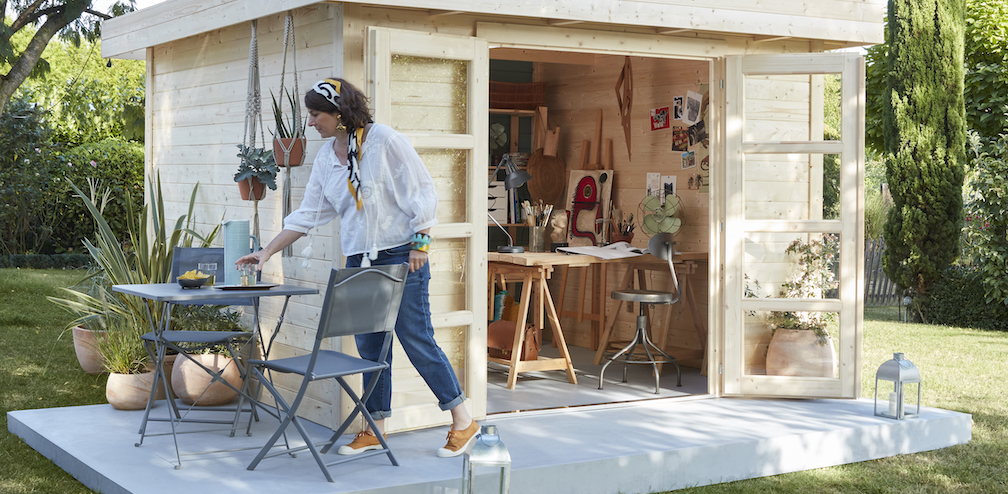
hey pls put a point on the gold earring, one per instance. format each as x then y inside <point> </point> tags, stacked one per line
<point>339,124</point>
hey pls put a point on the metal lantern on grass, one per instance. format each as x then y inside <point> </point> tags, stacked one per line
<point>903,374</point>
<point>487,451</point>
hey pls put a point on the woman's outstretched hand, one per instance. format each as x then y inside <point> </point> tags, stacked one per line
<point>258,258</point>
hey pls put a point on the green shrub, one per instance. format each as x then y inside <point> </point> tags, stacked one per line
<point>958,300</point>
<point>29,166</point>
<point>118,166</point>
<point>43,261</point>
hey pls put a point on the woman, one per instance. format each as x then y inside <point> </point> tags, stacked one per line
<point>371,177</point>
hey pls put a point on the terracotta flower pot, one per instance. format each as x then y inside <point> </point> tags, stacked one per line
<point>250,186</point>
<point>129,391</point>
<point>296,147</point>
<point>86,347</point>
<point>797,352</point>
<point>191,383</point>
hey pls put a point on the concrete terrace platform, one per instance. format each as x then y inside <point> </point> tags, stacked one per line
<point>637,447</point>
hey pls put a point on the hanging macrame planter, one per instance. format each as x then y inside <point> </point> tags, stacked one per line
<point>260,160</point>
<point>288,141</point>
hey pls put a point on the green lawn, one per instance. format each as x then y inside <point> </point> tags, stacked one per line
<point>963,370</point>
<point>38,369</point>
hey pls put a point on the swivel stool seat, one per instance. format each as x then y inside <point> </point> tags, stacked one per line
<point>662,247</point>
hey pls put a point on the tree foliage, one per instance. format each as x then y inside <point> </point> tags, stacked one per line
<point>21,55</point>
<point>985,58</point>
<point>90,100</point>
<point>924,139</point>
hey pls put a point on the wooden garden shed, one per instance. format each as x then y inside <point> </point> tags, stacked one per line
<point>761,72</point>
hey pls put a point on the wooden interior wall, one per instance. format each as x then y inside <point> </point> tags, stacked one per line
<point>197,104</point>
<point>575,94</point>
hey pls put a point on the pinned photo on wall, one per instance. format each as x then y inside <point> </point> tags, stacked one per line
<point>660,118</point>
<point>668,186</point>
<point>694,102</point>
<point>697,133</point>
<point>680,139</point>
<point>688,160</point>
<point>677,107</point>
<point>654,184</point>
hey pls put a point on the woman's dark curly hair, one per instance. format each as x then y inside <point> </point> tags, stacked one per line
<point>353,108</point>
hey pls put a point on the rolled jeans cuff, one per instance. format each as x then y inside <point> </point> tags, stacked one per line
<point>452,404</point>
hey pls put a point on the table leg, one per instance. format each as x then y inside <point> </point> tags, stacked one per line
<point>571,377</point>
<point>519,337</point>
<point>607,331</point>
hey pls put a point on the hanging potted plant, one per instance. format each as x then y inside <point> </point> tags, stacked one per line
<point>257,170</point>
<point>801,344</point>
<point>289,138</point>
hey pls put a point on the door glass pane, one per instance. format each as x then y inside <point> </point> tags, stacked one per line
<point>448,167</point>
<point>796,186</point>
<point>429,94</point>
<point>792,107</point>
<point>791,265</point>
<point>770,349</point>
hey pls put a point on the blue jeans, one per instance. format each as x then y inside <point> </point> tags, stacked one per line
<point>416,334</point>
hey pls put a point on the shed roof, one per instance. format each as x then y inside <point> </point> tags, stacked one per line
<point>835,23</point>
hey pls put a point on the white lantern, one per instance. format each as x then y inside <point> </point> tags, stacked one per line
<point>903,375</point>
<point>487,450</point>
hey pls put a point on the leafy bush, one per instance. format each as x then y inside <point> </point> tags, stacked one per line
<point>39,213</point>
<point>958,300</point>
<point>118,166</point>
<point>985,234</point>
<point>43,261</point>
<point>29,166</point>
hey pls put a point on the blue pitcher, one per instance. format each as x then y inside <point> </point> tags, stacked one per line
<point>238,242</point>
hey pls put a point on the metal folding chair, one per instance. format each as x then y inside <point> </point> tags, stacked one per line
<point>357,301</point>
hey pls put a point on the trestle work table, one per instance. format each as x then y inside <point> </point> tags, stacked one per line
<point>534,268</point>
<point>172,294</point>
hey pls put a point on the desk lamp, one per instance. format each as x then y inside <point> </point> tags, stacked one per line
<point>513,178</point>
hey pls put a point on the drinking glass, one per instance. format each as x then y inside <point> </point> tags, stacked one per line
<point>209,268</point>
<point>248,275</point>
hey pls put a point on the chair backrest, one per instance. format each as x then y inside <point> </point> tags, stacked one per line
<point>362,300</point>
<point>662,246</point>
<point>188,258</point>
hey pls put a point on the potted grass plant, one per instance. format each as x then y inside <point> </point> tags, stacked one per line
<point>289,137</point>
<point>130,375</point>
<point>145,256</point>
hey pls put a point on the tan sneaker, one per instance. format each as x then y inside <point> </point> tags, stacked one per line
<point>458,441</point>
<point>365,441</point>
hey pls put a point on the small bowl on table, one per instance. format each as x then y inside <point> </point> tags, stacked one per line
<point>192,282</point>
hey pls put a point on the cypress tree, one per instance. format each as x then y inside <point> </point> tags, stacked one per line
<point>925,139</point>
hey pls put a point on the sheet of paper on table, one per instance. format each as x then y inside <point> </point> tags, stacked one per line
<point>618,250</point>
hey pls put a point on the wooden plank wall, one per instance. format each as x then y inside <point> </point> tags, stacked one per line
<point>197,100</point>
<point>575,93</point>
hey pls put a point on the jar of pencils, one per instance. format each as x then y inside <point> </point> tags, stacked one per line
<point>618,237</point>
<point>537,238</point>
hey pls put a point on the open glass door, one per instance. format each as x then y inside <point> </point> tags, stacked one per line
<point>433,88</point>
<point>794,178</point>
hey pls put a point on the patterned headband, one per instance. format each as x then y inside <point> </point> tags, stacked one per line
<point>329,89</point>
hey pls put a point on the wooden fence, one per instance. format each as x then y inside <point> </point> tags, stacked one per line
<point>879,290</point>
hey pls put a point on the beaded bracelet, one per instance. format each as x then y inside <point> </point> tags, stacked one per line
<point>420,242</point>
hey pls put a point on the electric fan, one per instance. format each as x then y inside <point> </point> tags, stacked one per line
<point>498,136</point>
<point>658,218</point>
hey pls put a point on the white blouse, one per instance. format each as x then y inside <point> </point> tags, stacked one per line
<point>396,189</point>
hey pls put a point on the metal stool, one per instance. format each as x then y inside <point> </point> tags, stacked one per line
<point>662,247</point>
